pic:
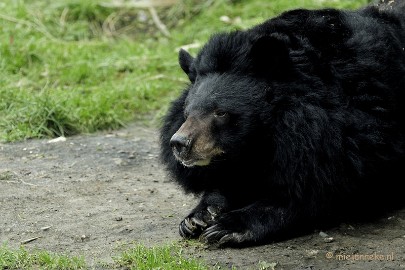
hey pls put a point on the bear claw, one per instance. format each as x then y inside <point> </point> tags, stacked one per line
<point>213,212</point>
<point>191,227</point>
<point>222,237</point>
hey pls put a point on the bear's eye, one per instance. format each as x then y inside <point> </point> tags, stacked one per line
<point>219,113</point>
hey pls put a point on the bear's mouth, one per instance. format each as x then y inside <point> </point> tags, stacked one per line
<point>192,162</point>
<point>192,159</point>
<point>200,162</point>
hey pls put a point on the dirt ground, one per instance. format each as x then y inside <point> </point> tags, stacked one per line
<point>94,194</point>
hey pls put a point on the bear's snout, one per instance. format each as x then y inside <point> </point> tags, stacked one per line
<point>179,144</point>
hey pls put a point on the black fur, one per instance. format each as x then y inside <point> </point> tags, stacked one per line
<point>316,128</point>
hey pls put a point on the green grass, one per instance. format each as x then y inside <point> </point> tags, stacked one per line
<point>139,257</point>
<point>69,67</point>
<point>22,259</point>
<point>166,257</point>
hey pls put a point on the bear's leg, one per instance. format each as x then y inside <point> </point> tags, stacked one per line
<point>205,214</point>
<point>253,224</point>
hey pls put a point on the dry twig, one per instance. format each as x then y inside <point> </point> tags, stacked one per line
<point>158,22</point>
<point>30,240</point>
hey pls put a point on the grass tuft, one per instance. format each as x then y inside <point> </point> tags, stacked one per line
<point>22,259</point>
<point>167,257</point>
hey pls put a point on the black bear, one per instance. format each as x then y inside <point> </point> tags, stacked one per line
<point>297,122</point>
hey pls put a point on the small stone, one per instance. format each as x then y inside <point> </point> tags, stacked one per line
<point>328,239</point>
<point>59,139</point>
<point>84,237</point>
<point>118,219</point>
<point>322,234</point>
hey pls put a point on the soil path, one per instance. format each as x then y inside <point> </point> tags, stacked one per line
<point>91,195</point>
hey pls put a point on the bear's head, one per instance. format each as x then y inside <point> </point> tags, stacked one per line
<point>219,113</point>
<point>227,98</point>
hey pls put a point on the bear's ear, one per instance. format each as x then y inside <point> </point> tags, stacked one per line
<point>186,64</point>
<point>270,55</point>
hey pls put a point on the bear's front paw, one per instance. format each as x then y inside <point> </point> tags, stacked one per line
<point>227,231</point>
<point>193,225</point>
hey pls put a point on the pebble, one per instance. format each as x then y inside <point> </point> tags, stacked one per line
<point>59,139</point>
<point>322,234</point>
<point>84,237</point>
<point>328,239</point>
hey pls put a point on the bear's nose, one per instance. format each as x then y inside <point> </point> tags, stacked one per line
<point>179,143</point>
